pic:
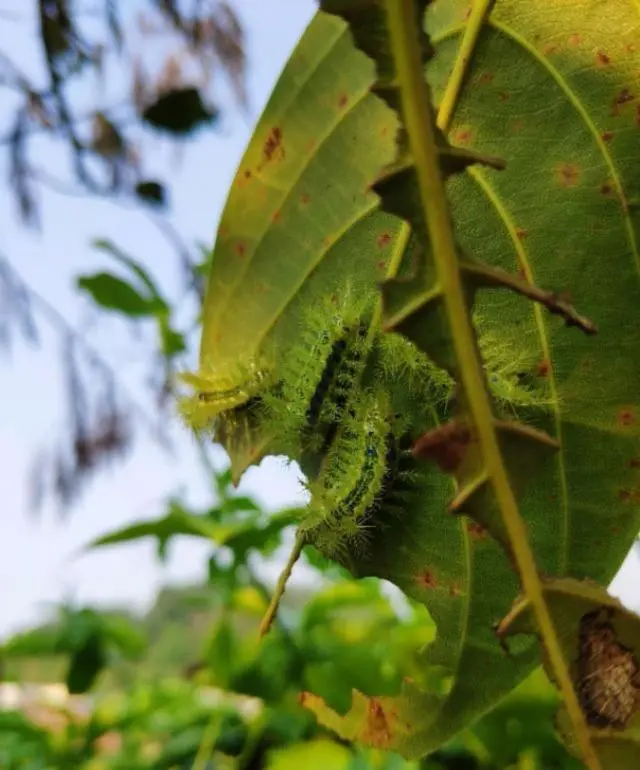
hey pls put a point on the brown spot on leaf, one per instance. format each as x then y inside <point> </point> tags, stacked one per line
<point>305,198</point>
<point>635,462</point>
<point>624,97</point>
<point>462,136</point>
<point>486,77</point>
<point>543,367</point>
<point>381,264</point>
<point>311,146</point>
<point>383,240</point>
<point>638,114</point>
<point>602,59</point>
<point>446,445</point>
<point>343,99</point>
<point>426,579</point>
<point>606,673</point>
<point>605,189</point>
<point>549,48</point>
<point>273,144</point>
<point>522,274</point>
<point>575,39</point>
<point>378,730</point>
<point>567,174</point>
<point>503,96</point>
<point>521,233</point>
<point>606,136</point>
<point>476,531</point>
<point>625,495</point>
<point>626,417</point>
<point>455,590</point>
<point>240,249</point>
<point>277,216</point>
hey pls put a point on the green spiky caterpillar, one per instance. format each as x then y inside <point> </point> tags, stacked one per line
<point>351,479</point>
<point>218,392</point>
<point>318,374</point>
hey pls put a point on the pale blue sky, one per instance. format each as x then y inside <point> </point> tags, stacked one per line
<point>35,557</point>
<point>35,563</point>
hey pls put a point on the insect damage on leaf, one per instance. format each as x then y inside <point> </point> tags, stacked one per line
<point>607,674</point>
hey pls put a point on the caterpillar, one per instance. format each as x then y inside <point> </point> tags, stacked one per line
<point>351,478</point>
<point>215,394</point>
<point>329,399</point>
<point>317,374</point>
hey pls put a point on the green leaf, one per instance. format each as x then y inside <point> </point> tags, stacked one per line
<point>493,460</point>
<point>602,639</point>
<point>86,664</point>
<point>124,635</point>
<point>115,252</point>
<point>240,536</point>
<point>112,293</point>
<point>39,641</point>
<point>278,206</point>
<point>313,755</point>
<point>536,75</point>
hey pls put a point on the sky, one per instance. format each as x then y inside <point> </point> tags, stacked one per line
<point>39,565</point>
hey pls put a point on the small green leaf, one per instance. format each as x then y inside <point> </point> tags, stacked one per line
<point>319,754</point>
<point>113,293</point>
<point>86,664</point>
<point>136,267</point>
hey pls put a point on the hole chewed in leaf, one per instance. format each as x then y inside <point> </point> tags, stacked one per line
<point>608,683</point>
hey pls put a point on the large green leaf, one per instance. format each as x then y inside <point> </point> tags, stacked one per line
<point>552,89</point>
<point>579,497</point>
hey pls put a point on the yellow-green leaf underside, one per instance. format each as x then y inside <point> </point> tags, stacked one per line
<point>554,89</point>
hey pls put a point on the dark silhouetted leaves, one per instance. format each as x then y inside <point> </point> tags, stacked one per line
<point>179,111</point>
<point>152,192</point>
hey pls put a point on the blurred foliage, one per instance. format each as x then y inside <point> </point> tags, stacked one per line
<point>191,685</point>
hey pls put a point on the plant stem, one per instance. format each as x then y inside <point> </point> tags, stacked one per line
<point>419,124</point>
<point>278,593</point>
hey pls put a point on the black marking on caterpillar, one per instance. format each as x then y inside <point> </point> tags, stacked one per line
<point>351,478</point>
